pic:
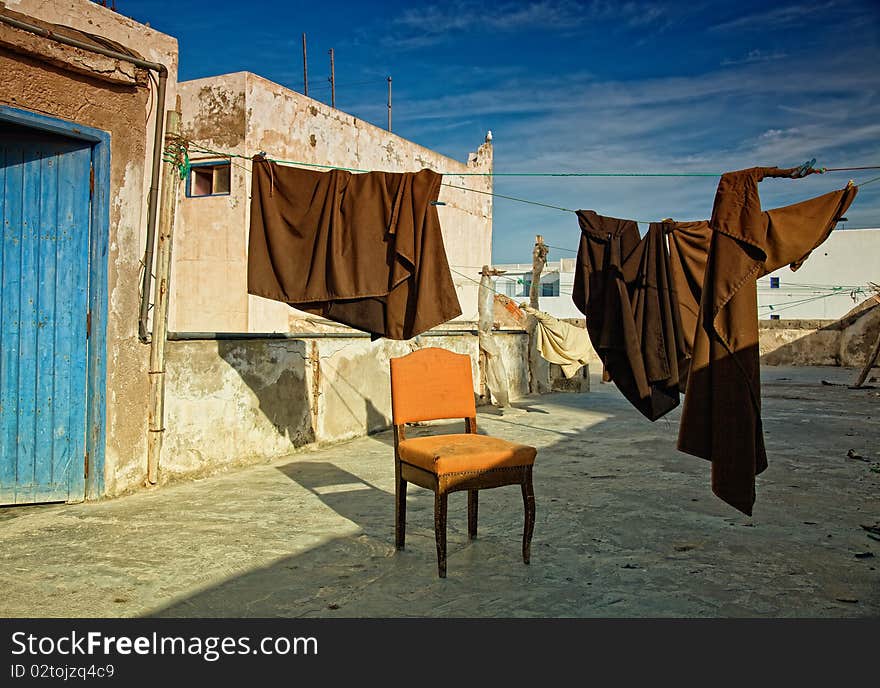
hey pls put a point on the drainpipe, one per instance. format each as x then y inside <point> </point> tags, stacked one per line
<point>152,207</point>
<point>153,199</point>
<point>170,181</point>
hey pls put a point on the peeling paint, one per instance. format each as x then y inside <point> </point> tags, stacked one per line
<point>127,113</point>
<point>219,119</point>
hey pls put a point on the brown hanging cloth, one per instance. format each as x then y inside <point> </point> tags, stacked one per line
<point>365,250</point>
<point>721,419</point>
<point>688,250</point>
<point>623,286</point>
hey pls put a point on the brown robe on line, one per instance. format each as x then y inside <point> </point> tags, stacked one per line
<point>365,250</point>
<point>721,419</point>
<point>614,276</point>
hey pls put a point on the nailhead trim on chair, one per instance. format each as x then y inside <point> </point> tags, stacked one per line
<point>500,468</point>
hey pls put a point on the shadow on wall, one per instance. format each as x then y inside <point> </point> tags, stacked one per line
<point>277,373</point>
<point>845,342</point>
<point>350,392</point>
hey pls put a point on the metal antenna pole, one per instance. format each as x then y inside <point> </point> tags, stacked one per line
<point>305,68</point>
<point>332,80</point>
<point>389,103</point>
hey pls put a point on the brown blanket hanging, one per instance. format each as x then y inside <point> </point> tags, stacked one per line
<point>687,319</point>
<point>721,419</point>
<point>364,250</point>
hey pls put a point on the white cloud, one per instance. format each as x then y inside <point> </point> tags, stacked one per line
<point>432,24</point>
<point>755,55</point>
<point>723,120</point>
<point>784,17</point>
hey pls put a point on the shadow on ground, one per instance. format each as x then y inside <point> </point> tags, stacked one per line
<point>626,526</point>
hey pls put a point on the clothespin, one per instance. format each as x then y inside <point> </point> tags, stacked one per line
<point>804,170</point>
<point>438,202</point>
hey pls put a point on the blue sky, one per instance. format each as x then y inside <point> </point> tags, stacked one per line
<point>567,86</point>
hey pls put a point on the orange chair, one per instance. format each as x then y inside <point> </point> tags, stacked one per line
<point>433,384</point>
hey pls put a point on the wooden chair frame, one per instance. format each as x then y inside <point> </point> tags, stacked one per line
<point>442,485</point>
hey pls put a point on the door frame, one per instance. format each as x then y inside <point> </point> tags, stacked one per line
<point>99,231</point>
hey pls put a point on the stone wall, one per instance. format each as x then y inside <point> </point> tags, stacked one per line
<point>844,342</point>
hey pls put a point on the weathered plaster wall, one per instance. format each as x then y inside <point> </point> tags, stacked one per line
<point>126,112</point>
<point>243,113</point>
<point>844,342</point>
<point>241,401</point>
<point>859,338</point>
<point>231,402</point>
<point>355,391</point>
<point>799,342</point>
<point>210,233</point>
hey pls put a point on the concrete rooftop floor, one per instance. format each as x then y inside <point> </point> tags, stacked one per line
<point>626,527</point>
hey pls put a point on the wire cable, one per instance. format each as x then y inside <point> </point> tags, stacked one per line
<point>301,163</point>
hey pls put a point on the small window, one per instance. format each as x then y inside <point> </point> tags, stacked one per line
<point>209,179</point>
<point>550,289</point>
<point>774,283</point>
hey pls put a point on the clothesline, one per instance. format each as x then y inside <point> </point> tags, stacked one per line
<point>202,149</point>
<point>800,302</point>
<point>831,290</point>
<point>776,307</point>
<point>819,170</point>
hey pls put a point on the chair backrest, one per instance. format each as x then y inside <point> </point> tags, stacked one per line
<point>430,384</point>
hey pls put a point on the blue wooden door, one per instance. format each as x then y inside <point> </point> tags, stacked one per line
<point>44,263</point>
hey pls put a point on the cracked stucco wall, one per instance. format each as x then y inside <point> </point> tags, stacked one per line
<point>235,402</point>
<point>42,83</point>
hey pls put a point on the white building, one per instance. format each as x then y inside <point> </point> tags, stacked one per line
<point>835,277</point>
<point>557,282</point>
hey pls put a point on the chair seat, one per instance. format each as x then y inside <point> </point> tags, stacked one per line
<point>444,454</point>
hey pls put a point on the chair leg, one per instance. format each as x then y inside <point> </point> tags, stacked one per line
<point>528,494</point>
<point>473,503</point>
<point>400,511</point>
<point>440,530</point>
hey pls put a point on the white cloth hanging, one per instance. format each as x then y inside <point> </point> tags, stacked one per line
<point>561,342</point>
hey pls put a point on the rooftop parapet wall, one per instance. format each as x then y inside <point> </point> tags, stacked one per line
<point>239,401</point>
